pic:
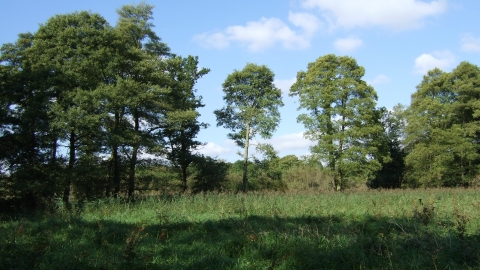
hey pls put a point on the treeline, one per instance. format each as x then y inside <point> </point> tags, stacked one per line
<point>91,110</point>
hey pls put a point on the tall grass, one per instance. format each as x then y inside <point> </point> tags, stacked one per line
<point>401,229</point>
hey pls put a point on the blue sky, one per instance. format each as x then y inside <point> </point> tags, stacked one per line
<point>396,41</point>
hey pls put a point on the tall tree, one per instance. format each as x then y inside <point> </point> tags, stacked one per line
<point>443,128</point>
<point>73,48</point>
<point>342,117</point>
<point>141,78</point>
<point>181,125</point>
<point>252,103</point>
<point>25,137</point>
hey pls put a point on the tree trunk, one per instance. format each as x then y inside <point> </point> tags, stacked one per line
<point>184,164</point>
<point>331,156</point>
<point>90,178</point>
<point>54,152</point>
<point>115,157</point>
<point>183,175</point>
<point>131,175</point>
<point>133,161</point>
<point>71,162</point>
<point>108,188</point>
<point>341,181</point>
<point>245,160</point>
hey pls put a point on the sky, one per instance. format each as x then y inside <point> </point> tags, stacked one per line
<point>396,41</point>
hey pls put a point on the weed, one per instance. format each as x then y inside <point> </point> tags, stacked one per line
<point>460,220</point>
<point>99,233</point>
<point>241,209</point>
<point>163,218</point>
<point>131,243</point>
<point>425,213</point>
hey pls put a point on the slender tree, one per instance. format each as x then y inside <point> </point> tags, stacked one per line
<point>141,79</point>
<point>342,117</point>
<point>252,103</point>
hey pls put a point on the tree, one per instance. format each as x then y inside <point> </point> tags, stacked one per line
<point>443,128</point>
<point>181,124</point>
<point>271,168</point>
<point>97,90</point>
<point>392,173</point>
<point>27,151</point>
<point>73,48</point>
<point>141,85</point>
<point>342,117</point>
<point>209,174</point>
<point>252,103</point>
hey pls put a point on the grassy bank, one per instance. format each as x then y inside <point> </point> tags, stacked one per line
<point>415,229</point>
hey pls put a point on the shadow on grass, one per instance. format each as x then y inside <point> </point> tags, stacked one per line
<point>251,242</point>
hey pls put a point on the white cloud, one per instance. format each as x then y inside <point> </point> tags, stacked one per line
<point>212,149</point>
<point>379,80</point>
<point>215,40</point>
<point>347,44</point>
<point>285,85</point>
<point>289,142</point>
<point>442,60</point>
<point>308,22</point>
<point>258,35</point>
<point>470,43</point>
<point>393,14</point>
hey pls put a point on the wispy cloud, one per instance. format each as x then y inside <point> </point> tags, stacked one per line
<point>308,22</point>
<point>469,43</point>
<point>294,142</point>
<point>442,60</point>
<point>380,79</point>
<point>347,44</point>
<point>392,14</point>
<point>264,33</point>
<point>212,149</point>
<point>285,85</point>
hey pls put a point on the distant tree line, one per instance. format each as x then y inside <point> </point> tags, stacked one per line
<point>91,110</point>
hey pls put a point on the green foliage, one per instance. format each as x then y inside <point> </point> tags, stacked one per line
<point>342,118</point>
<point>142,81</point>
<point>209,174</point>
<point>181,125</point>
<point>392,173</point>
<point>308,177</point>
<point>28,148</point>
<point>73,48</point>
<point>112,94</point>
<point>288,173</point>
<point>101,91</point>
<point>252,103</point>
<point>443,127</point>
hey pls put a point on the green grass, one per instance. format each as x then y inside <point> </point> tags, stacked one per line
<point>404,229</point>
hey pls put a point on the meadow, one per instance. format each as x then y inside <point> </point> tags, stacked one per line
<point>389,229</point>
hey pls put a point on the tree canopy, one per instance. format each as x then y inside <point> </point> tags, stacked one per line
<point>443,128</point>
<point>110,94</point>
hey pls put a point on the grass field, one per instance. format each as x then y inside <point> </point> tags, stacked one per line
<point>401,229</point>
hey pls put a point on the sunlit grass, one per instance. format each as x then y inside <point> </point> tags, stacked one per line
<point>400,229</point>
